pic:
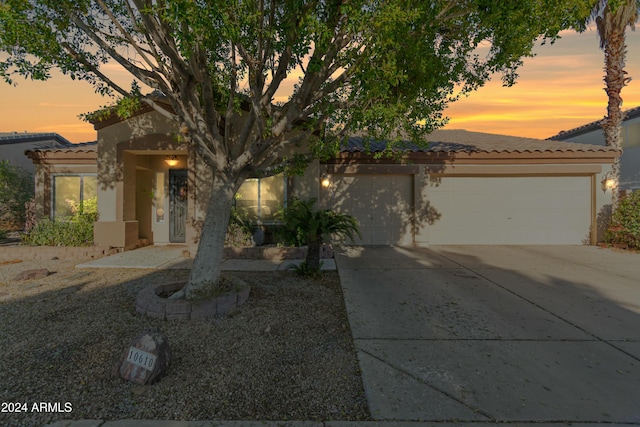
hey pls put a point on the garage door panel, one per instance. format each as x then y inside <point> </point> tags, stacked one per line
<point>382,205</point>
<point>514,210</point>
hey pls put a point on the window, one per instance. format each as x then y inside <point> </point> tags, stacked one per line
<point>72,189</point>
<point>260,198</point>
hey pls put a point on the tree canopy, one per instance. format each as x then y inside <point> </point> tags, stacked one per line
<point>376,67</point>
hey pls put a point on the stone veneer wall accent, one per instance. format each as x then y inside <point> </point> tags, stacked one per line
<point>149,302</point>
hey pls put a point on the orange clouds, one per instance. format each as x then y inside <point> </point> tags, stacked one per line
<point>559,89</point>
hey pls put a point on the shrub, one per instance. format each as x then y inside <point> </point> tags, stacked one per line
<point>239,231</point>
<point>3,234</point>
<point>76,230</point>
<point>625,224</point>
<point>16,188</point>
<point>307,226</point>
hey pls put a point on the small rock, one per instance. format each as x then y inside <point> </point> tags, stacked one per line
<point>145,359</point>
<point>55,258</point>
<point>38,273</point>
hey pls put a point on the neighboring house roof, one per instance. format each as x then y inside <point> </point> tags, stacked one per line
<point>45,139</point>
<point>590,127</point>
<point>462,141</point>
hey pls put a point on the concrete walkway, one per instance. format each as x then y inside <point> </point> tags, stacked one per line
<point>495,334</point>
<point>174,257</point>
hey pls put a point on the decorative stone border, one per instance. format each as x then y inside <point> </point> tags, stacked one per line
<point>150,303</point>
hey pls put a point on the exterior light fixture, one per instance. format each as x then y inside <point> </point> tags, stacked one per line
<point>609,182</point>
<point>173,161</point>
<point>325,180</point>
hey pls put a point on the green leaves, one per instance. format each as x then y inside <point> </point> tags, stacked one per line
<point>375,68</point>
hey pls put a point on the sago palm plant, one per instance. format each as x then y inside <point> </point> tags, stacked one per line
<point>311,227</point>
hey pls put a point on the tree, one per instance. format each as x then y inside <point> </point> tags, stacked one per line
<point>310,227</point>
<point>361,65</point>
<point>612,19</point>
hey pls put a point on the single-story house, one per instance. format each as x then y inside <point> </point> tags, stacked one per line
<point>592,133</point>
<point>14,144</point>
<point>465,188</point>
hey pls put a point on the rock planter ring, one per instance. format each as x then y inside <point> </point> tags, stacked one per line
<point>150,302</point>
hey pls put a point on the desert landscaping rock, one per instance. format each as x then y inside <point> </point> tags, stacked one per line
<point>37,273</point>
<point>63,347</point>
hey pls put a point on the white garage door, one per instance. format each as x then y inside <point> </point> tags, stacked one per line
<point>382,204</point>
<point>509,210</point>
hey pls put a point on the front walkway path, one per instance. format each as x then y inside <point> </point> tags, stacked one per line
<point>175,257</point>
<point>496,334</point>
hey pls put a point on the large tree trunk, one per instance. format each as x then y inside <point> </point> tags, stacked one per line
<point>615,79</point>
<point>205,273</point>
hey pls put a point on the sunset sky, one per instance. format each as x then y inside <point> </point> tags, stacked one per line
<point>558,89</point>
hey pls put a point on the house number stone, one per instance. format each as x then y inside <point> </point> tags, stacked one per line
<point>144,359</point>
<point>141,358</point>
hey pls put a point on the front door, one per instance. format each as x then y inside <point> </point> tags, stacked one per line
<point>177,205</point>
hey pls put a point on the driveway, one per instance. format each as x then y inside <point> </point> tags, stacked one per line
<point>529,334</point>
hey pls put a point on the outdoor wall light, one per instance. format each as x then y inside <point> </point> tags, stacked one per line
<point>173,161</point>
<point>609,182</point>
<point>325,180</point>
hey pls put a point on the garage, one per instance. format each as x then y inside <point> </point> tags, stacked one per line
<point>511,210</point>
<point>473,188</point>
<point>382,204</point>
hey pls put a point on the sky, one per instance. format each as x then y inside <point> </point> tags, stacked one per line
<point>558,89</point>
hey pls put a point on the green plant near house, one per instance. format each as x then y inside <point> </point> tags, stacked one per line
<point>76,230</point>
<point>240,230</point>
<point>16,188</point>
<point>305,225</point>
<point>625,224</point>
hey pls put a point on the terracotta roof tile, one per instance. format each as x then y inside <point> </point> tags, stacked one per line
<point>462,141</point>
<point>86,147</point>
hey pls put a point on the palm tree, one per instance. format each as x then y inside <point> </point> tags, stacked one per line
<point>311,227</point>
<point>612,18</point>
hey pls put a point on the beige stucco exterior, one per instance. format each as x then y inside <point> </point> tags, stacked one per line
<point>478,198</point>
<point>468,188</point>
<point>134,182</point>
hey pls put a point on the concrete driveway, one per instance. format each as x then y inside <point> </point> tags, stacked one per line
<point>528,334</point>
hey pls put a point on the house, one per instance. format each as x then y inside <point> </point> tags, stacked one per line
<point>592,133</point>
<point>465,188</point>
<point>14,144</point>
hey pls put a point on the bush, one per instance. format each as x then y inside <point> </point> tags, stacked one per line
<point>76,230</point>
<point>625,224</point>
<point>16,188</point>
<point>305,225</point>
<point>239,231</point>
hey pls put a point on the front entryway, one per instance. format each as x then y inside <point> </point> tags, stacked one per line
<point>178,187</point>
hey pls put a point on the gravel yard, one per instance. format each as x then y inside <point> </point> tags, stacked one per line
<point>287,354</point>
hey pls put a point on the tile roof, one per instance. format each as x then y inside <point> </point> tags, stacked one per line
<point>596,125</point>
<point>72,148</point>
<point>462,141</point>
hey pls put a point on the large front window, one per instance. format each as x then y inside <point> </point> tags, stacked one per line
<point>260,198</point>
<point>71,190</point>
